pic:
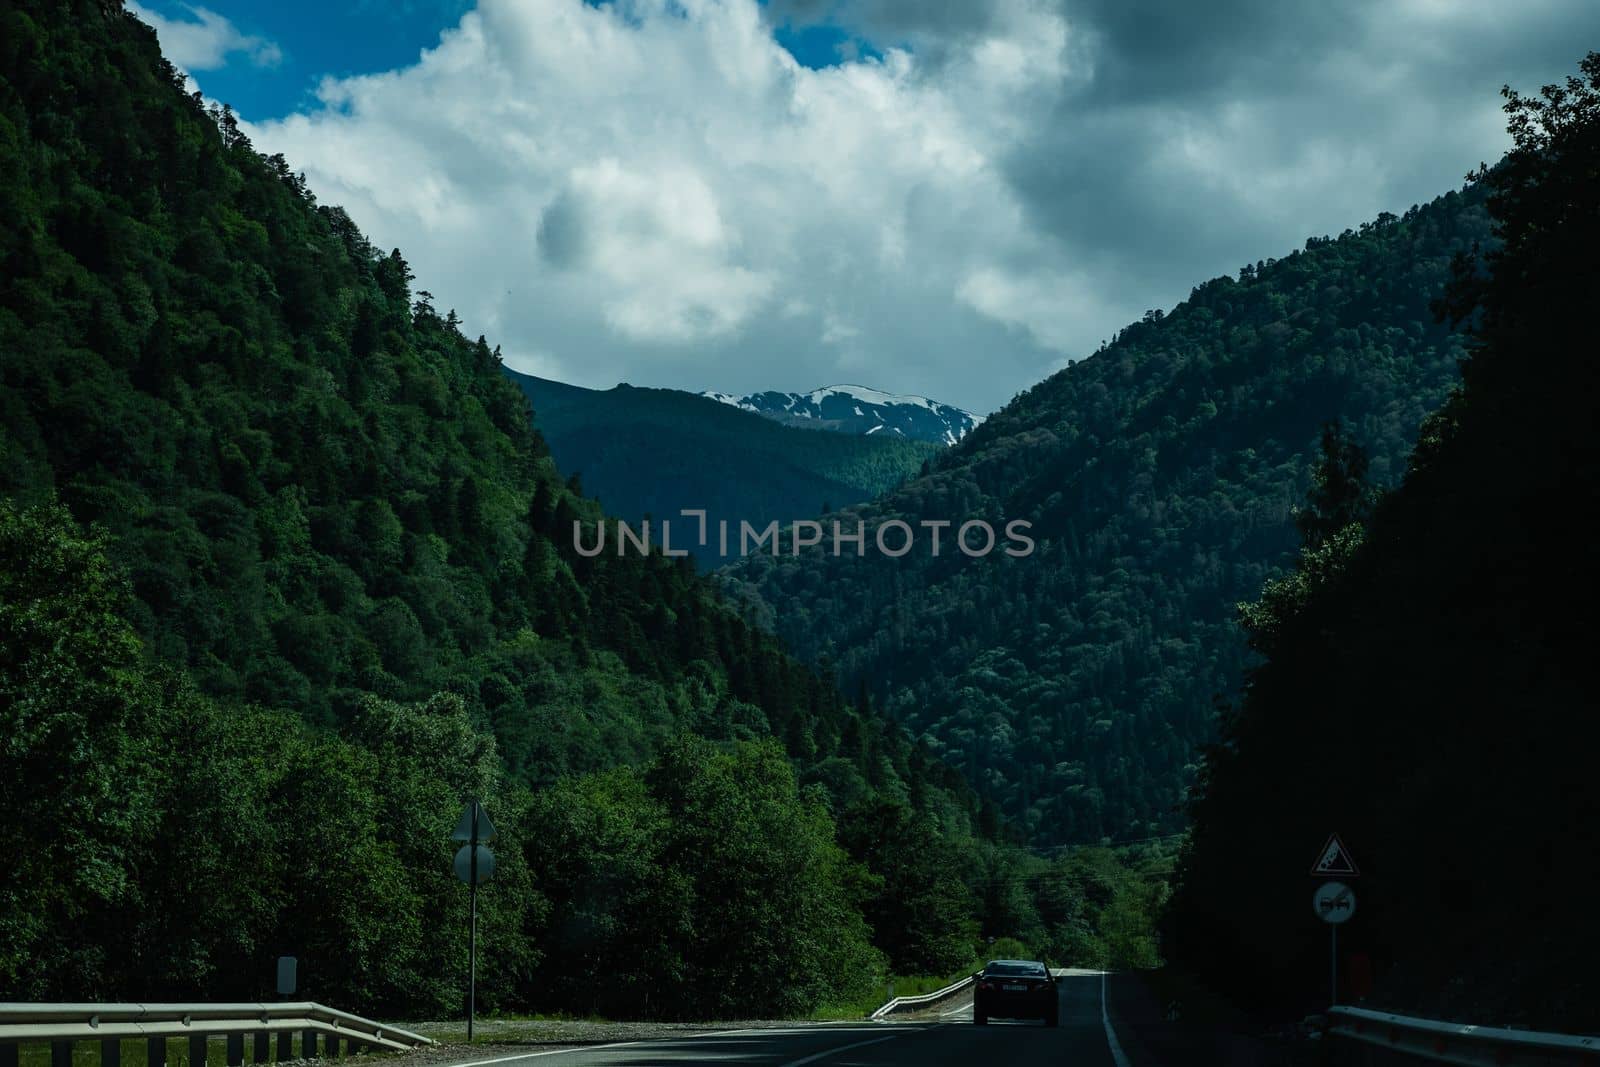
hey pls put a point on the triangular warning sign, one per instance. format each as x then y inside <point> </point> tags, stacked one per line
<point>463,832</point>
<point>1335,860</point>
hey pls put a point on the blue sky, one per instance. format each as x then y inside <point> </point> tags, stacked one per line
<point>950,198</point>
<point>340,38</point>
<point>314,39</point>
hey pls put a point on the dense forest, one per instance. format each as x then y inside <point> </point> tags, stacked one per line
<point>1427,669</point>
<point>282,583</point>
<point>1075,687</point>
<point>318,488</point>
<point>648,453</point>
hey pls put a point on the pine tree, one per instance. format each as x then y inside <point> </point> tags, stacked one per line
<point>1339,494</point>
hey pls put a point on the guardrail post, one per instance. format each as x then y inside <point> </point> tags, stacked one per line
<point>262,1050</point>
<point>155,1052</point>
<point>330,1046</point>
<point>197,1050</point>
<point>8,1055</point>
<point>285,1045</point>
<point>111,1052</point>
<point>60,1054</point>
<point>308,1044</point>
<point>235,1050</point>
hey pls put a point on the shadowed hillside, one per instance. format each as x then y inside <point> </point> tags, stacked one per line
<point>1161,475</point>
<point>1427,673</point>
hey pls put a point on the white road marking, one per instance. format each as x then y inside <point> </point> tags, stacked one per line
<point>1117,1055</point>
<point>592,1048</point>
<point>550,1052</point>
<point>843,1048</point>
<point>815,1028</point>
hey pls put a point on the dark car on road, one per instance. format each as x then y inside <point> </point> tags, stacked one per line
<point>1015,989</point>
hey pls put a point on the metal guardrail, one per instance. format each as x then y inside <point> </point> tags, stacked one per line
<point>907,1003</point>
<point>61,1025</point>
<point>1468,1046</point>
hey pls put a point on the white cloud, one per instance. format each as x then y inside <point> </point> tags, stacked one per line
<point>655,191</point>
<point>1050,307</point>
<point>205,41</point>
<point>836,331</point>
<point>656,243</point>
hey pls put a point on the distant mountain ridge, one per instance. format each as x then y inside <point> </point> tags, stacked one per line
<point>858,409</point>
<point>653,452</point>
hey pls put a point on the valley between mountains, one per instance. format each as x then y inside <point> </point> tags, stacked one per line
<point>291,567</point>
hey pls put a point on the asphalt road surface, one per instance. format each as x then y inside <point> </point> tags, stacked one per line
<point>945,1038</point>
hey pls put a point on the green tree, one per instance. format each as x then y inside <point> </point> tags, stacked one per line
<point>1339,493</point>
<point>76,785</point>
<point>923,915</point>
<point>777,927</point>
<point>621,917</point>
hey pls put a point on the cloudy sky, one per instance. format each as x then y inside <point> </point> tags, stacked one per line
<point>947,197</point>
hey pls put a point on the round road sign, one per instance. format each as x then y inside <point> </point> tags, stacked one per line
<point>463,863</point>
<point>1334,902</point>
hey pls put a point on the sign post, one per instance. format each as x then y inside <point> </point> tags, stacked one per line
<point>1334,902</point>
<point>472,935</point>
<point>474,863</point>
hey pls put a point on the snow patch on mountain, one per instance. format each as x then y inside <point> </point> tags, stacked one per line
<point>859,409</point>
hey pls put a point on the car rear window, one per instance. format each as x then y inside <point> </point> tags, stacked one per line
<point>1002,969</point>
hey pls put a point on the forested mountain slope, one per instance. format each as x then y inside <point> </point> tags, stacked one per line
<point>1161,475</point>
<point>657,451</point>
<point>287,576</point>
<point>318,487</point>
<point>1428,673</point>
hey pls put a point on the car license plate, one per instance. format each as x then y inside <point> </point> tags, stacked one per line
<point>1015,988</point>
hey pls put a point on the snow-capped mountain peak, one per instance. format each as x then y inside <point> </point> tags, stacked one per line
<point>858,409</point>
